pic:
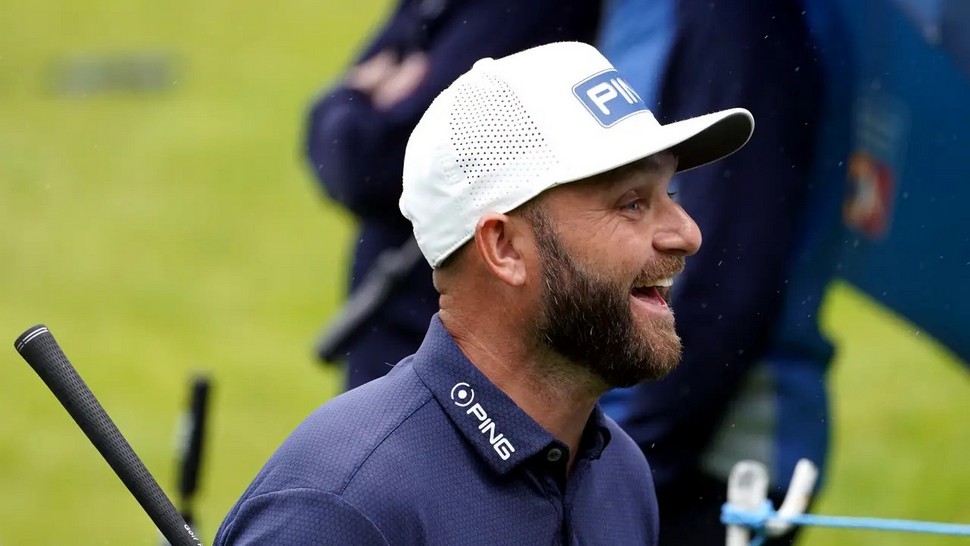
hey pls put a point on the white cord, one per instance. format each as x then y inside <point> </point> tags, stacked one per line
<point>796,499</point>
<point>747,490</point>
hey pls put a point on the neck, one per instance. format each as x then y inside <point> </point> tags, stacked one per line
<point>554,393</point>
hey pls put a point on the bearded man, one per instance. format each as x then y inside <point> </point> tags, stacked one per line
<point>537,186</point>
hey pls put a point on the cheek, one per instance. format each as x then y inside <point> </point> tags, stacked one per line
<point>619,241</point>
<point>624,254</point>
<point>613,249</point>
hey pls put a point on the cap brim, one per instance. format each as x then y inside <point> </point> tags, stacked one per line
<point>695,141</point>
<point>704,139</point>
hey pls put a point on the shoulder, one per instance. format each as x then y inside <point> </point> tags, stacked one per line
<point>327,449</point>
<point>305,480</point>
<point>298,517</point>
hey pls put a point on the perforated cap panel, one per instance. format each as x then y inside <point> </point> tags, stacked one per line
<point>498,146</point>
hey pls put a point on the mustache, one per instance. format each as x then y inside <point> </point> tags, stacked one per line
<point>661,268</point>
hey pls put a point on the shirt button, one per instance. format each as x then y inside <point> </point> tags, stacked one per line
<point>554,455</point>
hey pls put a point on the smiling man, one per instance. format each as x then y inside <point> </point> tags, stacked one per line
<point>611,321</point>
<point>538,189</point>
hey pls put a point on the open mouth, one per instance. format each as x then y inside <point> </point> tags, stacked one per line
<point>653,293</point>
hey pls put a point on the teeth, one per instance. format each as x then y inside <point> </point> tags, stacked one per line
<point>664,283</point>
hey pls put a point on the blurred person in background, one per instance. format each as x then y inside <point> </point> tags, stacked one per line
<point>752,381</point>
<point>358,129</point>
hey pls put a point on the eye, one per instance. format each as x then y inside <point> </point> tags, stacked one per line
<point>671,194</point>
<point>633,205</point>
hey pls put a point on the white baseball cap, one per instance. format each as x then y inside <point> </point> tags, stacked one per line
<point>511,128</point>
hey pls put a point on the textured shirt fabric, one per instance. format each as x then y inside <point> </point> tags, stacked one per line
<point>434,453</point>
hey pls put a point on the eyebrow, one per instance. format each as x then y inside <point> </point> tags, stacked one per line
<point>648,165</point>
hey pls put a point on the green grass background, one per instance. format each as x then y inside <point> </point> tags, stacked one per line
<point>166,233</point>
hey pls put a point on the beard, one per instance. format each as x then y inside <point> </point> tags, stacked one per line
<point>587,318</point>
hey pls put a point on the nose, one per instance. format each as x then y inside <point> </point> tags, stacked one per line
<point>677,233</point>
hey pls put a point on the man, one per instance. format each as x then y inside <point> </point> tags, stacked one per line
<point>537,187</point>
<point>357,131</point>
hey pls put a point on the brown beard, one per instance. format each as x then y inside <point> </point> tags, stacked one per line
<point>586,318</point>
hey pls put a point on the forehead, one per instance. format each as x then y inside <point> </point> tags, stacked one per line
<point>663,165</point>
<point>658,167</point>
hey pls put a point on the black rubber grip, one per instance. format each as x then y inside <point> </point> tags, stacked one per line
<point>190,453</point>
<point>39,348</point>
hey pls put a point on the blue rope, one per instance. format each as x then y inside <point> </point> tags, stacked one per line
<point>756,520</point>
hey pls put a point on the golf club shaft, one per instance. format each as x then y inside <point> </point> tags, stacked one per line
<point>39,348</point>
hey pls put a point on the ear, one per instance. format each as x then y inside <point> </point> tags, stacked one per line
<point>499,244</point>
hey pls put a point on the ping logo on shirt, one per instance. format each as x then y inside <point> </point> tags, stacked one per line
<point>463,395</point>
<point>608,97</point>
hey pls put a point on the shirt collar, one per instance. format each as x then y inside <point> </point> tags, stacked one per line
<point>596,436</point>
<point>501,433</point>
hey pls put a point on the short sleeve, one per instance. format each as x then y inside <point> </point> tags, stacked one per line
<point>298,517</point>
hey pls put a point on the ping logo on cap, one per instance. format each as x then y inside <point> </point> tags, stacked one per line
<point>608,97</point>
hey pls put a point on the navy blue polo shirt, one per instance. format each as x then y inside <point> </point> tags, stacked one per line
<point>434,453</point>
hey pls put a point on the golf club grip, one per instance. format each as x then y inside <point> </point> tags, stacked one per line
<point>39,348</point>
<point>191,449</point>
